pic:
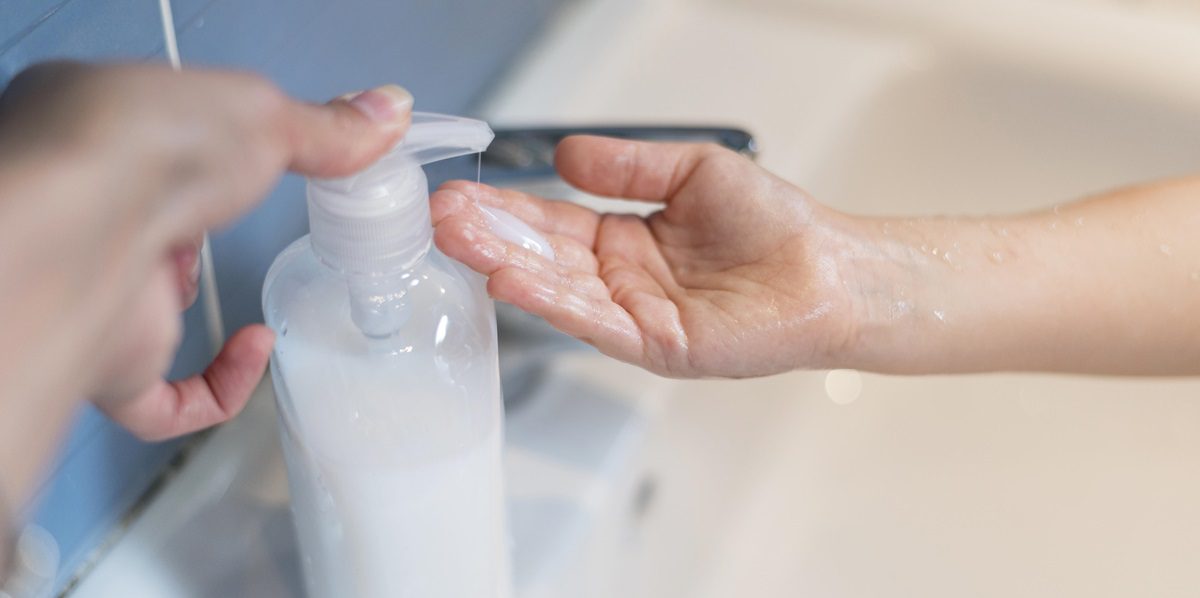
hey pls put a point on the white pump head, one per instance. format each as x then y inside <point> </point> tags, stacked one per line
<point>376,222</point>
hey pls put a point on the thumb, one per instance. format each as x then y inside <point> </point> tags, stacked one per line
<point>642,170</point>
<point>349,133</point>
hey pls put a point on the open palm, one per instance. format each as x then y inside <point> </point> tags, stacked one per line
<point>731,278</point>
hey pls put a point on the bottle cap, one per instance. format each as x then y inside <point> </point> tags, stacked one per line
<point>377,222</point>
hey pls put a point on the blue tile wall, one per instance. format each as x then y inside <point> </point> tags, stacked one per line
<point>447,52</point>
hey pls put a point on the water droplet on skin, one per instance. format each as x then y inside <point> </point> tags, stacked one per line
<point>1057,209</point>
<point>924,248</point>
<point>1165,249</point>
<point>936,251</point>
<point>1003,232</point>
<point>996,257</point>
<point>940,315</point>
<point>946,258</point>
<point>1054,225</point>
<point>1079,221</point>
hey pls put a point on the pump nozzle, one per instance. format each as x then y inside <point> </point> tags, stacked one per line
<point>430,138</point>
<point>435,137</point>
<point>374,225</point>
<point>377,221</point>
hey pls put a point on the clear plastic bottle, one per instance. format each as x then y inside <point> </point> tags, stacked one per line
<point>386,377</point>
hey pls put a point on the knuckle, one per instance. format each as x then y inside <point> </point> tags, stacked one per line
<point>719,155</point>
<point>258,125</point>
<point>264,101</point>
<point>720,161</point>
<point>711,149</point>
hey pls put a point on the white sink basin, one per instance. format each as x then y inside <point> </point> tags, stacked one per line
<point>961,137</point>
<point>1003,485</point>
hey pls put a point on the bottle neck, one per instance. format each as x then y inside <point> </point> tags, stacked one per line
<point>373,235</point>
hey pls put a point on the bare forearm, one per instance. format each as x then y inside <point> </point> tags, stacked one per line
<point>1108,285</point>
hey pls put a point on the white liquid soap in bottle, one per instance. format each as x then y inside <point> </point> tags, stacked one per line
<point>387,381</point>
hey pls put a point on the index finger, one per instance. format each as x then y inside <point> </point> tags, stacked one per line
<point>347,134</point>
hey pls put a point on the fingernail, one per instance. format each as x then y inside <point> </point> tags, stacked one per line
<point>385,104</point>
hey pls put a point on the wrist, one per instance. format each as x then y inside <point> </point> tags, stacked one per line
<point>905,281</point>
<point>874,272</point>
<point>864,275</point>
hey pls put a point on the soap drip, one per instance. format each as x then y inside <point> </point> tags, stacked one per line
<point>509,227</point>
<point>516,231</point>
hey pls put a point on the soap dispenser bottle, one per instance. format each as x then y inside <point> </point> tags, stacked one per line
<point>387,384</point>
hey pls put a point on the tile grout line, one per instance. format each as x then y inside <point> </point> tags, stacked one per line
<point>209,297</point>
